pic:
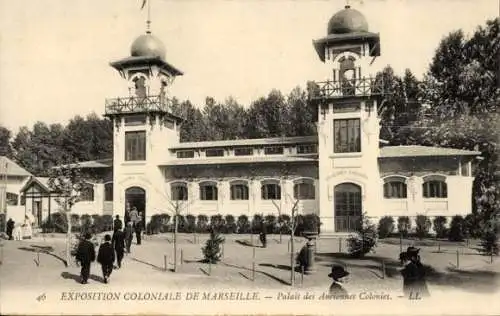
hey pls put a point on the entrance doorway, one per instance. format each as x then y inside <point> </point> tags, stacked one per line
<point>348,207</point>
<point>136,197</point>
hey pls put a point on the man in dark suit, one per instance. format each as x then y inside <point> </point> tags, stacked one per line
<point>118,242</point>
<point>85,255</point>
<point>129,235</point>
<point>106,257</point>
<point>117,223</point>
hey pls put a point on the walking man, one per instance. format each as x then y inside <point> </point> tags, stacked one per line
<point>10,228</point>
<point>85,255</point>
<point>106,257</point>
<point>263,235</point>
<point>414,285</point>
<point>129,235</point>
<point>117,223</point>
<point>119,246</point>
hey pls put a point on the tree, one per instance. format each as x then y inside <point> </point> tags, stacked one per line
<point>364,240</point>
<point>67,182</point>
<point>5,138</point>
<point>212,250</point>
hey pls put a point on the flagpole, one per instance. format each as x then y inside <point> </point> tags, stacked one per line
<point>148,22</point>
<point>4,195</point>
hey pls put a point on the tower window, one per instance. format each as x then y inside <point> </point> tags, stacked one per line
<point>347,136</point>
<point>134,120</point>
<point>135,145</point>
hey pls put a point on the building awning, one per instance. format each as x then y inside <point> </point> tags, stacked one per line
<point>238,160</point>
<point>248,142</point>
<point>9,167</point>
<point>423,151</point>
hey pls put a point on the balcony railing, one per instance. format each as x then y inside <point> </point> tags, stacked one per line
<point>147,104</point>
<point>346,88</point>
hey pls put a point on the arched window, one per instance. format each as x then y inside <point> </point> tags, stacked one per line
<point>12,199</point>
<point>87,192</point>
<point>435,188</point>
<point>304,190</point>
<point>108,192</point>
<point>239,190</point>
<point>395,188</point>
<point>179,191</point>
<point>271,190</point>
<point>208,191</point>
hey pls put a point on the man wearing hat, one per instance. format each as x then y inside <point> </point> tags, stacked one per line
<point>413,273</point>
<point>85,255</point>
<point>106,257</point>
<point>338,272</point>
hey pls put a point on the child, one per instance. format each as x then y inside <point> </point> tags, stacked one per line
<point>106,257</point>
<point>338,272</point>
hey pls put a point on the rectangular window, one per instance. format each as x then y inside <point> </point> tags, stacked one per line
<point>214,152</point>
<point>248,151</point>
<point>347,136</point>
<point>108,192</point>
<point>274,150</point>
<point>185,154</point>
<point>239,192</point>
<point>135,145</point>
<point>307,149</point>
<point>208,192</point>
<point>134,120</point>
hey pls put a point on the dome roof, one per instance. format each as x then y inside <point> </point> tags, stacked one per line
<point>148,45</point>
<point>347,21</point>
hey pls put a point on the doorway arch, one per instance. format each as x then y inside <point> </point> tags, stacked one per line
<point>348,207</point>
<point>135,197</point>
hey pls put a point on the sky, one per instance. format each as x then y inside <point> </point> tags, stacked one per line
<point>55,54</point>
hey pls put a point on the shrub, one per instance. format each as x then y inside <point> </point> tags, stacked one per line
<point>3,222</point>
<point>404,225</point>
<point>439,223</point>
<point>75,223</point>
<point>489,238</point>
<point>299,225</point>
<point>181,226</point>
<point>284,223</point>
<point>310,223</point>
<point>243,224</point>
<point>154,225</point>
<point>108,222</point>
<point>423,225</point>
<point>271,223</point>
<point>202,224</point>
<point>385,226</point>
<point>212,249</point>
<point>230,227</point>
<point>456,232</point>
<point>472,226</point>
<point>190,223</point>
<point>165,221</point>
<point>364,241</point>
<point>257,223</point>
<point>58,222</point>
<point>217,222</point>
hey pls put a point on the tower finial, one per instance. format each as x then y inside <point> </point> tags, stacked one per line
<point>148,22</point>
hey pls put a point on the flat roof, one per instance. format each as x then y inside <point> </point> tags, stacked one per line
<point>247,142</point>
<point>422,151</point>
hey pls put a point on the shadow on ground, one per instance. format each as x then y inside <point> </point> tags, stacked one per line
<point>44,250</point>
<point>155,267</point>
<point>269,275</point>
<point>245,243</point>
<point>77,279</point>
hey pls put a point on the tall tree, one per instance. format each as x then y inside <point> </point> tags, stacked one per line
<point>5,139</point>
<point>301,114</point>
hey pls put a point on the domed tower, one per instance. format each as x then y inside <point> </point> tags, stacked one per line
<point>348,126</point>
<point>144,126</point>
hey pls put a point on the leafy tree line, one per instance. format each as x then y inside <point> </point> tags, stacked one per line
<point>455,105</point>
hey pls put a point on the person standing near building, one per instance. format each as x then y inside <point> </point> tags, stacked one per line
<point>85,255</point>
<point>10,228</point>
<point>134,215</point>
<point>263,235</point>
<point>138,228</point>
<point>414,284</point>
<point>129,234</point>
<point>118,242</point>
<point>106,257</point>
<point>117,223</point>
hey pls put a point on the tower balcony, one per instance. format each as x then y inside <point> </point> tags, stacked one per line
<point>337,89</point>
<point>146,104</point>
